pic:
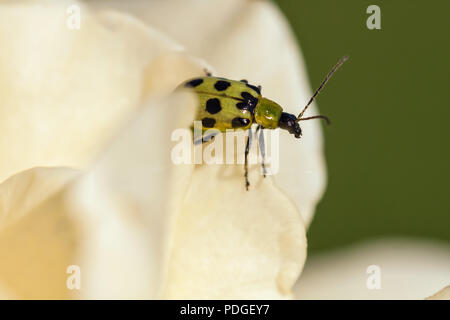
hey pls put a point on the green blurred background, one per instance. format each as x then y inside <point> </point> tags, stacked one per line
<point>388,147</point>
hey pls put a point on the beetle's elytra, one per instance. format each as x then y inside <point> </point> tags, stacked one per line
<point>230,104</point>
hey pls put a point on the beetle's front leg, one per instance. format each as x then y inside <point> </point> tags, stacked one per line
<point>247,150</point>
<point>262,148</point>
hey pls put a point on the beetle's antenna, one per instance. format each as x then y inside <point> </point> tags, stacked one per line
<point>316,117</point>
<point>318,90</point>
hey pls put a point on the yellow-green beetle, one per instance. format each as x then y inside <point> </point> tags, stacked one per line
<point>230,104</point>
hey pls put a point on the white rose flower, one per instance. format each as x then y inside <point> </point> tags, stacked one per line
<point>86,177</point>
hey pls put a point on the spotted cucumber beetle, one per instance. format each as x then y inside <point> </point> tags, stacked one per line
<point>230,104</point>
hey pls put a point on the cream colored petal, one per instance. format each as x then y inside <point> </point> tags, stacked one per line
<point>196,24</point>
<point>128,202</point>
<point>65,92</point>
<point>232,244</point>
<point>38,240</point>
<point>250,40</point>
<point>443,294</point>
<point>20,193</point>
<point>115,222</point>
<point>409,269</point>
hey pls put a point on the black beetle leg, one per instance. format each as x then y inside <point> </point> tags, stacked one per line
<point>204,139</point>
<point>247,149</point>
<point>262,148</point>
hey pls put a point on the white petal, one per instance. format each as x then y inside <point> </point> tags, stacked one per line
<point>128,202</point>
<point>410,269</point>
<point>22,192</point>
<point>65,92</point>
<point>232,244</point>
<point>115,223</point>
<point>38,240</point>
<point>443,294</point>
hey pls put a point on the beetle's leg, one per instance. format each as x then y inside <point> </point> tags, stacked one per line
<point>207,72</point>
<point>260,88</point>
<point>206,138</point>
<point>247,149</point>
<point>262,148</point>
<point>198,139</point>
<point>244,81</point>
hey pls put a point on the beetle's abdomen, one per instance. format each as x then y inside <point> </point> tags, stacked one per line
<point>224,104</point>
<point>221,113</point>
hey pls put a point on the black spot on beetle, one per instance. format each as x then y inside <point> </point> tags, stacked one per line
<point>239,122</point>
<point>208,122</point>
<point>222,85</point>
<point>244,81</point>
<point>194,83</point>
<point>213,106</point>
<point>251,100</point>
<point>242,105</point>
<point>247,96</point>
<point>257,89</point>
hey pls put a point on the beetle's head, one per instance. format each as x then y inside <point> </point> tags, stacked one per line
<point>289,122</point>
<point>270,115</point>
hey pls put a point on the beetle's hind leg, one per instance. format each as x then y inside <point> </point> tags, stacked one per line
<point>204,139</point>
<point>247,150</point>
<point>262,148</point>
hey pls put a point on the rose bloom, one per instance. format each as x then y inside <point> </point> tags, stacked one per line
<point>93,207</point>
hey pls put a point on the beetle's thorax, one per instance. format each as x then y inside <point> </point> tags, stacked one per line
<point>267,113</point>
